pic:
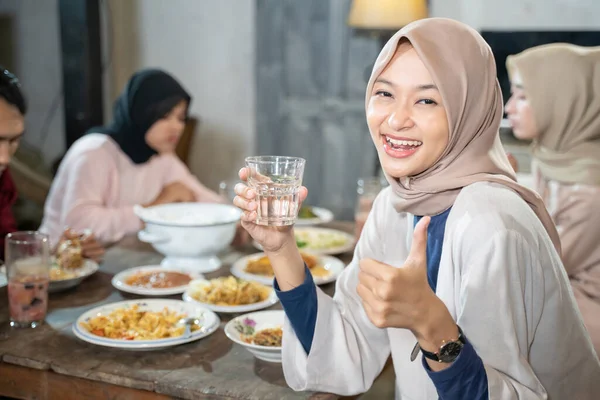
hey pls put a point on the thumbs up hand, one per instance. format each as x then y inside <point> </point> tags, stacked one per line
<point>401,297</point>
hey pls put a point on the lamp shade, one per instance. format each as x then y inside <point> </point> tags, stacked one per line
<point>385,14</point>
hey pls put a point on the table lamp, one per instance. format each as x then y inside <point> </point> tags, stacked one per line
<point>385,15</point>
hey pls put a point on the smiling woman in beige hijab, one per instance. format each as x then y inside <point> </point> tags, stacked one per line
<point>556,102</point>
<point>455,255</point>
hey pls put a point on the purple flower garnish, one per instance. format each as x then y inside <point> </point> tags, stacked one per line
<point>249,322</point>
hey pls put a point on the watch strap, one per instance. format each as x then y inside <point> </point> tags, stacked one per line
<point>434,356</point>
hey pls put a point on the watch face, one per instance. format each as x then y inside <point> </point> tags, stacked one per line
<point>450,351</point>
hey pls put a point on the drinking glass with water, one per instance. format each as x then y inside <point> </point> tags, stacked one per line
<point>276,181</point>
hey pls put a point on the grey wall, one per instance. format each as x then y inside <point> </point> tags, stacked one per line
<point>310,95</point>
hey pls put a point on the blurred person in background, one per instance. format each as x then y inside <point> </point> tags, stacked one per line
<point>556,103</point>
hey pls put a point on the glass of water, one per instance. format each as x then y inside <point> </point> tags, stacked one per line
<point>276,181</point>
<point>27,269</point>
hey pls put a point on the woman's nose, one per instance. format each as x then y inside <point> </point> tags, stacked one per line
<point>4,153</point>
<point>399,119</point>
<point>509,108</point>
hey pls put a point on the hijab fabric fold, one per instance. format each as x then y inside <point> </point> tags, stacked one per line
<point>147,97</point>
<point>562,82</point>
<point>463,68</point>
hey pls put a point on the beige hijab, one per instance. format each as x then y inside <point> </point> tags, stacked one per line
<point>463,68</point>
<point>562,82</point>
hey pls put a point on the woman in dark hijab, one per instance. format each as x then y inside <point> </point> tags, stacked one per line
<point>130,161</point>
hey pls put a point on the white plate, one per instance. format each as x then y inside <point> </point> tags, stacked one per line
<point>194,285</point>
<point>323,216</point>
<point>88,268</point>
<point>209,320</point>
<point>261,320</point>
<point>119,281</point>
<point>315,241</point>
<point>3,280</point>
<point>332,264</point>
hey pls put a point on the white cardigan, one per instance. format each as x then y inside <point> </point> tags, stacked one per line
<point>502,281</point>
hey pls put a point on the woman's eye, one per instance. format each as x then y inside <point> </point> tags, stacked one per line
<point>426,101</point>
<point>383,93</point>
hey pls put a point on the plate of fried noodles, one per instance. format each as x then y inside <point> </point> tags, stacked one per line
<point>230,294</point>
<point>148,324</point>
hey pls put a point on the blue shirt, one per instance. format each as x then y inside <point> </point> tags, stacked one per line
<point>464,379</point>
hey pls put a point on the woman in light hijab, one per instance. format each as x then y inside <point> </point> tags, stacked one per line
<point>457,262</point>
<point>131,161</point>
<point>556,103</point>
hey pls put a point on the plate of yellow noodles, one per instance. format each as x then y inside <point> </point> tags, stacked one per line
<point>257,267</point>
<point>229,294</point>
<point>148,324</point>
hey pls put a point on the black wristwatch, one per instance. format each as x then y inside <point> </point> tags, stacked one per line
<point>448,352</point>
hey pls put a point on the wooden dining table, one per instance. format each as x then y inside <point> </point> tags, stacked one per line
<point>50,362</point>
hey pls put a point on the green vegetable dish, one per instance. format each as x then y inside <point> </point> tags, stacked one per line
<point>306,213</point>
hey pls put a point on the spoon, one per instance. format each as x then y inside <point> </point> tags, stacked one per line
<point>189,322</point>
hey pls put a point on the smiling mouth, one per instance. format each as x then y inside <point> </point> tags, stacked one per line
<point>402,144</point>
<point>400,148</point>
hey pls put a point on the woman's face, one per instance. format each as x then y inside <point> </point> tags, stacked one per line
<point>164,134</point>
<point>406,116</point>
<point>519,111</point>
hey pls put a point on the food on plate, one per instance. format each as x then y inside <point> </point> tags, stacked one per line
<point>230,291</point>
<point>130,323</point>
<point>319,240</point>
<point>60,274</point>
<point>266,337</point>
<point>262,266</point>
<point>69,254</point>
<point>158,279</point>
<point>270,337</point>
<point>319,272</point>
<point>306,212</point>
<point>63,273</point>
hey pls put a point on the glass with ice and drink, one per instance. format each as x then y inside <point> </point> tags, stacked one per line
<point>276,181</point>
<point>27,269</point>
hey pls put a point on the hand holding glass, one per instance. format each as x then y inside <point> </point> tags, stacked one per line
<point>276,181</point>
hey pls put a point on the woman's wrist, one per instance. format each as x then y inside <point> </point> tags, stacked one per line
<point>437,327</point>
<point>288,265</point>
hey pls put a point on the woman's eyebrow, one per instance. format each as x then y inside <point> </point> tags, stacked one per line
<point>424,86</point>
